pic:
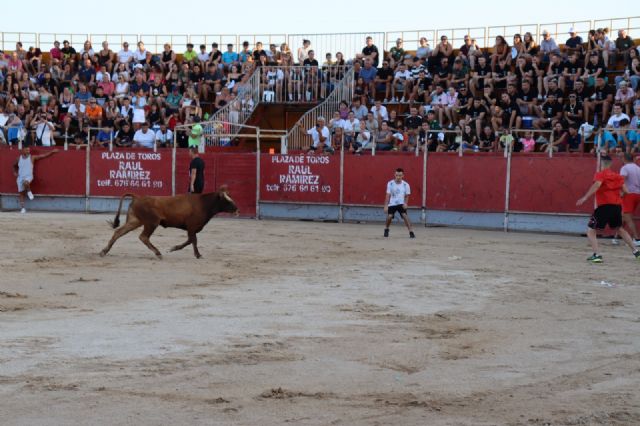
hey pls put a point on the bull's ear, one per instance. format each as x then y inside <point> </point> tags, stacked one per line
<point>223,189</point>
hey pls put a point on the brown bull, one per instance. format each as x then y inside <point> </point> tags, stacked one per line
<point>190,212</point>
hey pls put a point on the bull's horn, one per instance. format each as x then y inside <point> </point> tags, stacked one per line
<point>225,195</point>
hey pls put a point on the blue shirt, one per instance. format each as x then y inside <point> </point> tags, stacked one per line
<point>368,75</point>
<point>229,57</point>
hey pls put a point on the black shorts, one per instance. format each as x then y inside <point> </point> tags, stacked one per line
<point>399,209</point>
<point>607,214</point>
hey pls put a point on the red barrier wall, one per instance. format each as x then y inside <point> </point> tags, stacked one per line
<point>237,171</point>
<point>547,185</point>
<point>366,178</point>
<point>300,178</point>
<point>112,174</point>
<point>64,173</point>
<point>472,183</point>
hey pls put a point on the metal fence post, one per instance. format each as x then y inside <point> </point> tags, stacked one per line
<point>258,173</point>
<point>424,185</point>
<point>173,162</point>
<point>341,199</point>
<point>507,190</point>
<point>88,173</point>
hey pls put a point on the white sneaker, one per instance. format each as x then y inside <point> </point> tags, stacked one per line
<point>615,241</point>
<point>402,100</point>
<point>30,195</point>
<point>636,243</point>
<point>23,210</point>
<point>386,101</point>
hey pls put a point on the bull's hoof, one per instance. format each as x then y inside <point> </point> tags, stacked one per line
<point>172,249</point>
<point>103,253</point>
<point>198,256</point>
<point>159,256</point>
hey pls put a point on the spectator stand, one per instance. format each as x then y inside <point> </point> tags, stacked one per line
<point>299,84</point>
<point>343,91</point>
<point>349,44</point>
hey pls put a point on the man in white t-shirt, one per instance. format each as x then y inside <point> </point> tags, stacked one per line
<point>144,137</point>
<point>320,136</point>
<point>126,56</point>
<point>397,200</point>
<point>631,200</point>
<point>615,130</point>
<point>164,136</point>
<point>380,112</point>
<point>44,129</point>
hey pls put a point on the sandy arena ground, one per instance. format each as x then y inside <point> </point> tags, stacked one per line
<point>313,324</point>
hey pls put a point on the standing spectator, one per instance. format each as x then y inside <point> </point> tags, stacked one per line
<point>607,187</point>
<point>43,128</point>
<point>573,44</point>
<point>23,171</point>
<point>624,44</point>
<point>370,51</point>
<point>196,172</point>
<point>397,201</point>
<point>195,136</point>
<point>320,136</point>
<point>144,137</point>
<point>303,52</point>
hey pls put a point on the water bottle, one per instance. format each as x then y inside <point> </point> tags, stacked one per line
<point>476,148</point>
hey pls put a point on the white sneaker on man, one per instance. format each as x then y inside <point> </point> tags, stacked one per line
<point>615,242</point>
<point>23,210</point>
<point>30,195</point>
<point>636,243</point>
<point>402,100</point>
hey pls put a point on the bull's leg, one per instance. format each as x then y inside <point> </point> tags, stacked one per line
<point>194,241</point>
<point>181,246</point>
<point>123,230</point>
<point>144,237</point>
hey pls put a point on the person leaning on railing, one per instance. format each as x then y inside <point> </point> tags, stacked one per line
<point>320,137</point>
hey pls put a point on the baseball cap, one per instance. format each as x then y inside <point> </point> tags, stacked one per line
<point>440,136</point>
<point>545,32</point>
<point>399,136</point>
<point>572,30</point>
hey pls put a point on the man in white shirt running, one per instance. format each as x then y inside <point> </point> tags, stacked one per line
<point>23,170</point>
<point>397,200</point>
<point>631,200</point>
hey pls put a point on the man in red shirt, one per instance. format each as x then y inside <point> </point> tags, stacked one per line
<point>608,187</point>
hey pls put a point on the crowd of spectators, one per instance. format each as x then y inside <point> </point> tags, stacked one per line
<point>533,97</point>
<point>469,98</point>
<point>129,97</point>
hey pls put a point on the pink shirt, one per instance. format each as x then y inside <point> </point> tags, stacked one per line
<point>631,174</point>
<point>528,144</point>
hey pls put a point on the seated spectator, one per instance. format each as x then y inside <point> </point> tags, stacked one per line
<point>164,136</point>
<point>190,56</point>
<point>401,82</point>
<point>76,111</point>
<point>370,51</point>
<point>368,75</point>
<point>487,139</point>
<point>469,52</point>
<point>501,50</point>
<point>397,52</point>
<point>624,44</point>
<point>573,111</point>
<point>625,97</point>
<point>517,49</point>
<point>424,50</point>
<point>230,57</point>
<point>93,113</point>
<point>258,52</point>
<point>68,53</point>
<point>383,81</point>
<point>444,49</point>
<point>530,48</point>
<point>422,87</point>
<point>632,71</point>
<point>105,57</point>
<point>126,56</point>
<point>124,136</point>
<point>363,140</point>
<point>573,45</point>
<point>613,137</point>
<point>103,138</point>
<point>574,139</point>
<point>168,57</point>
<point>572,71</point>
<point>320,137</point>
<point>359,109</point>
<point>384,138</point>
<point>481,76</point>
<point>144,137</point>
<point>548,46</point>
<point>442,73</point>
<point>379,112</point>
<point>599,102</point>
<point>55,53</point>
<point>203,56</point>
<point>549,113</point>
<point>42,129</point>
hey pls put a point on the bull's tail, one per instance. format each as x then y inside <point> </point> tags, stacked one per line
<point>116,222</point>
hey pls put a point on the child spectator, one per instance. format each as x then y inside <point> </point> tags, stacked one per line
<point>528,142</point>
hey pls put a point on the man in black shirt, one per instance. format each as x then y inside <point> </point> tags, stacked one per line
<point>599,103</point>
<point>196,172</point>
<point>370,51</point>
<point>572,71</point>
<point>527,99</point>
<point>382,81</point>
<point>549,114</point>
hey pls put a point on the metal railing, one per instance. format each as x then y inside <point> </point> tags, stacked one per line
<point>226,123</point>
<point>296,138</point>
<point>296,84</point>
<point>348,43</point>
